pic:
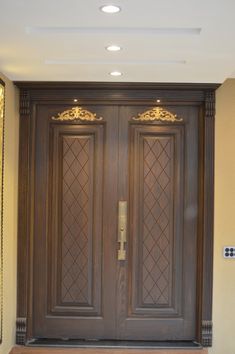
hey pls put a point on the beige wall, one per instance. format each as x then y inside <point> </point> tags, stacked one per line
<point>224,270</point>
<point>10,216</point>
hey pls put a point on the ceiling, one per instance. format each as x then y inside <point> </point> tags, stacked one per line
<point>162,41</point>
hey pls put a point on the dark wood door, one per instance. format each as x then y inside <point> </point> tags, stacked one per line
<point>156,290</point>
<point>82,170</point>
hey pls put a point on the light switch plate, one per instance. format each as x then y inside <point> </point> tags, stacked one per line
<point>229,252</point>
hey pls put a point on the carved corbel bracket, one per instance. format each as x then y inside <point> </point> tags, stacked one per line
<point>207,333</point>
<point>24,103</point>
<point>21,328</point>
<point>210,104</point>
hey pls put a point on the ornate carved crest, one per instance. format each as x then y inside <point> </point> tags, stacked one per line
<point>77,113</point>
<point>158,114</point>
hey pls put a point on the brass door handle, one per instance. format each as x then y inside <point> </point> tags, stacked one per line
<point>122,223</point>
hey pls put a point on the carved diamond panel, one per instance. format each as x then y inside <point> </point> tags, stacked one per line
<point>157,215</point>
<point>75,217</point>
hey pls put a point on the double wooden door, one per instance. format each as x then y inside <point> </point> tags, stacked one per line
<point>115,222</point>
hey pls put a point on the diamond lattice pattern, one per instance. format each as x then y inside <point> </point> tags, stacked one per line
<point>157,209</point>
<point>75,232</point>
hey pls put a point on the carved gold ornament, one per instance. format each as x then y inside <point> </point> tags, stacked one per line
<point>77,113</point>
<point>158,114</point>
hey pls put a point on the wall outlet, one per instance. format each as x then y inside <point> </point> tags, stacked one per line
<point>229,252</point>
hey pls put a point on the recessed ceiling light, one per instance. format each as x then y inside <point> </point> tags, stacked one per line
<point>75,100</point>
<point>110,9</point>
<point>116,73</point>
<point>113,48</point>
<point>158,101</point>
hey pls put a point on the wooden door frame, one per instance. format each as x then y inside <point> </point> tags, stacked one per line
<point>200,95</point>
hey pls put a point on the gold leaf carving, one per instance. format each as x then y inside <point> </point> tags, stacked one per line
<point>77,113</point>
<point>158,114</point>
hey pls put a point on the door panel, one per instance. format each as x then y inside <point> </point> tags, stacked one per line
<point>157,287</point>
<point>75,226</point>
<point>156,212</point>
<point>76,181</point>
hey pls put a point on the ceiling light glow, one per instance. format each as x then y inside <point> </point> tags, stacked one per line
<point>116,73</point>
<point>110,9</point>
<point>113,48</point>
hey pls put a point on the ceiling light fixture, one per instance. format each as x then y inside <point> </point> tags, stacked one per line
<point>113,48</point>
<point>110,9</point>
<point>75,100</point>
<point>158,101</point>
<point>115,73</point>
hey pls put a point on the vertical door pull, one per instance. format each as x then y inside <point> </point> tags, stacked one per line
<point>122,222</point>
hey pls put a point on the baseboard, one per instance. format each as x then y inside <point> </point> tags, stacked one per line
<point>50,350</point>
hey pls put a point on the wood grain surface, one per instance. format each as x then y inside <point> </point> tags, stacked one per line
<point>50,301</point>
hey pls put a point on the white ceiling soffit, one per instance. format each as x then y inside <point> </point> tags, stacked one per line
<point>134,31</point>
<point>161,41</point>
